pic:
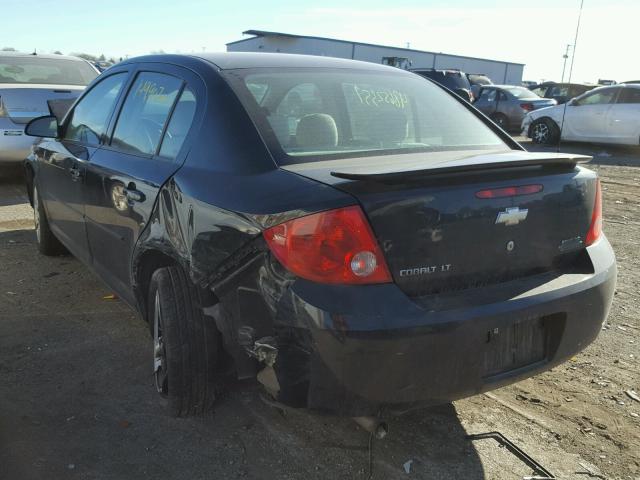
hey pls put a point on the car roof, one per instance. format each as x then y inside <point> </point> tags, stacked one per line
<point>238,60</point>
<point>40,55</point>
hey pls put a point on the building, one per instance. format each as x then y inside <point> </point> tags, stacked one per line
<point>499,71</point>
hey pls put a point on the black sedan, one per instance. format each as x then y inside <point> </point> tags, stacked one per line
<point>356,238</point>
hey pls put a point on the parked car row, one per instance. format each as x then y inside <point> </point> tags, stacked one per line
<point>353,236</point>
<point>602,115</point>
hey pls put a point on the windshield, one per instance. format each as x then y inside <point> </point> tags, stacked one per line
<point>50,71</point>
<point>314,114</point>
<point>522,93</point>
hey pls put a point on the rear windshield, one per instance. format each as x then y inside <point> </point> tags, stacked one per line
<point>522,93</point>
<point>477,79</point>
<point>34,70</point>
<point>313,114</point>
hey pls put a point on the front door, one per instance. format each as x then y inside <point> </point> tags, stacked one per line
<point>125,175</point>
<point>487,101</point>
<point>62,163</point>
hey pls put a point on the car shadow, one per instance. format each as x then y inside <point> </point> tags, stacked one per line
<point>427,443</point>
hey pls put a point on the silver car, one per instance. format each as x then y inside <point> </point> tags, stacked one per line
<point>32,86</point>
<point>507,105</point>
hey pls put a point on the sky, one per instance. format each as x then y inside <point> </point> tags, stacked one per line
<point>533,32</point>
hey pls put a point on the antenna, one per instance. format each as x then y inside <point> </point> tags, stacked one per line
<point>573,57</point>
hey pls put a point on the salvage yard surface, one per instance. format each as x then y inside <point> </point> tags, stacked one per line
<point>77,397</point>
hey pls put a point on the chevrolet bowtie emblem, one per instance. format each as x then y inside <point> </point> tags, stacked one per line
<point>512,216</point>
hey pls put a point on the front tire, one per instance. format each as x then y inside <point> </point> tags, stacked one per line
<point>500,120</point>
<point>544,131</point>
<point>48,244</point>
<point>185,344</point>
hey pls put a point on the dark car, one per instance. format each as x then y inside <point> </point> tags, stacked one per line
<point>507,105</point>
<point>351,235</point>
<point>561,92</point>
<point>454,80</point>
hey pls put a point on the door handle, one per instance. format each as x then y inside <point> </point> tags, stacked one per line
<point>133,195</point>
<point>75,173</point>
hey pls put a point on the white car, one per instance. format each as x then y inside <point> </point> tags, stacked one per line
<point>602,115</point>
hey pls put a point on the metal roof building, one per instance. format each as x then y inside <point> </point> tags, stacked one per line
<point>262,41</point>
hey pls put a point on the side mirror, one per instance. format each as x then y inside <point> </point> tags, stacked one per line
<point>46,127</point>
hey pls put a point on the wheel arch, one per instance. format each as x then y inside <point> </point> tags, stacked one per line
<point>144,266</point>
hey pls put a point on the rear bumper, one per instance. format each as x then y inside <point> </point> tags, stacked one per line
<point>15,146</point>
<point>355,350</point>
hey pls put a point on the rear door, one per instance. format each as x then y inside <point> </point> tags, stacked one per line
<point>62,162</point>
<point>623,119</point>
<point>125,176</point>
<point>585,119</point>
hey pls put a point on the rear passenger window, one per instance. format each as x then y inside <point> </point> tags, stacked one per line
<point>145,112</point>
<point>179,125</point>
<point>629,95</point>
<point>89,118</point>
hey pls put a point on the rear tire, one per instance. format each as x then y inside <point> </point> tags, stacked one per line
<point>186,344</point>
<point>500,120</point>
<point>544,131</point>
<point>48,244</point>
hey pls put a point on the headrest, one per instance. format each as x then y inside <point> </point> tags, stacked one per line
<point>317,130</point>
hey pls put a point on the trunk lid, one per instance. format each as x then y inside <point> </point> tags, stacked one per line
<point>24,102</point>
<point>439,234</point>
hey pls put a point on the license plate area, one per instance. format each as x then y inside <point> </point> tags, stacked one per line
<point>515,346</point>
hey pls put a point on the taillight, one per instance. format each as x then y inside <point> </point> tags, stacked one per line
<point>509,191</point>
<point>595,229</point>
<point>527,107</point>
<point>336,246</point>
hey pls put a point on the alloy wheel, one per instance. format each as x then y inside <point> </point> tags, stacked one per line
<point>159,351</point>
<point>541,133</point>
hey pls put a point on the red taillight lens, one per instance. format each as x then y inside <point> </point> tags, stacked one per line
<point>509,191</point>
<point>336,246</point>
<point>595,229</point>
<point>527,107</point>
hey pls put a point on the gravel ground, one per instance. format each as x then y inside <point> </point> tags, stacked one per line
<point>77,398</point>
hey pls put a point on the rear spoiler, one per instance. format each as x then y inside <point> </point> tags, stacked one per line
<point>471,164</point>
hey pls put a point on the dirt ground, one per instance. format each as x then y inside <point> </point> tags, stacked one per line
<point>77,399</point>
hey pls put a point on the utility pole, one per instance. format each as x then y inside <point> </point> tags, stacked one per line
<point>564,65</point>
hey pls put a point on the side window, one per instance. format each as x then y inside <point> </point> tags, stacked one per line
<point>603,97</point>
<point>179,125</point>
<point>629,95</point>
<point>488,95</point>
<point>90,117</point>
<point>145,112</point>
<point>540,91</point>
<point>502,97</point>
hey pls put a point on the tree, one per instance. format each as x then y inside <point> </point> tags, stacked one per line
<point>57,52</point>
<point>101,58</point>
<point>8,49</point>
